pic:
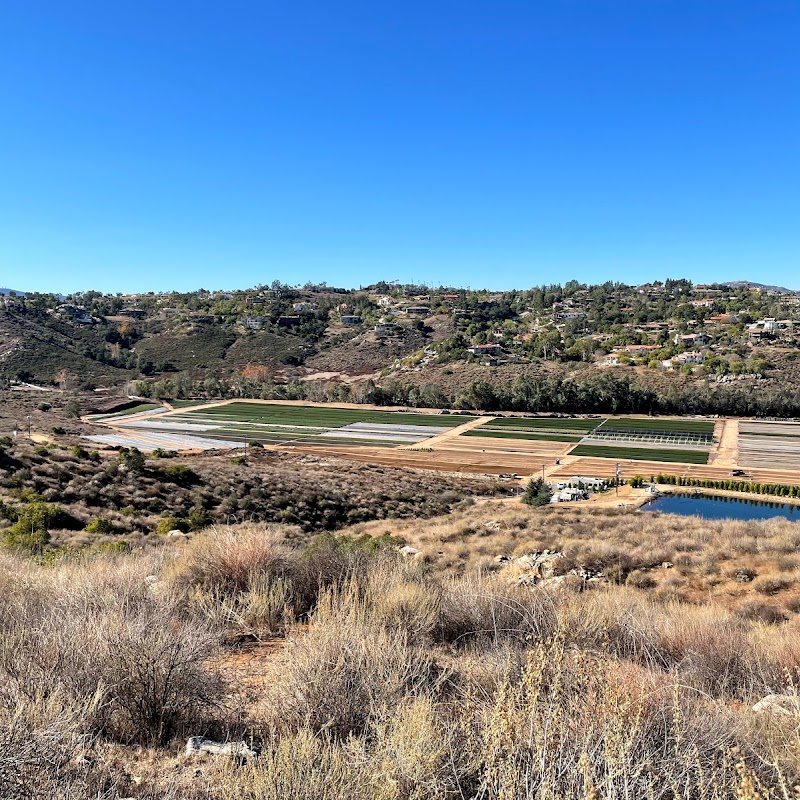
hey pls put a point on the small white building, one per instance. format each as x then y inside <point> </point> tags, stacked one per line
<point>485,350</point>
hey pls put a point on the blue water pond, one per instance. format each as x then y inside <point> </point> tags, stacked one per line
<point>718,507</point>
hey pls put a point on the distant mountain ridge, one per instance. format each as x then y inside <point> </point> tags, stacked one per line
<point>8,291</point>
<point>764,286</point>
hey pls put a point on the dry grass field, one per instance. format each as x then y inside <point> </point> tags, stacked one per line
<point>356,672</point>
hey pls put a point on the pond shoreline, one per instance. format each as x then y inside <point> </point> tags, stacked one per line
<point>721,506</point>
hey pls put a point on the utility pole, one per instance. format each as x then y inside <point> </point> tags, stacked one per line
<point>29,426</point>
<point>543,466</point>
<point>616,482</point>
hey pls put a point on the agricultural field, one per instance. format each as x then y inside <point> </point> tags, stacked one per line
<point>769,445</point>
<point>549,429</point>
<point>641,453</point>
<point>521,444</point>
<point>489,432</point>
<point>554,424</point>
<point>661,425</point>
<point>231,424</point>
<point>675,440</point>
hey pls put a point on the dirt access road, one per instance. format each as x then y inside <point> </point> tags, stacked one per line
<point>726,453</point>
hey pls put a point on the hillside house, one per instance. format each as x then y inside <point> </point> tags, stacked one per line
<point>305,308</point>
<point>721,319</point>
<point>133,313</point>
<point>254,323</point>
<point>386,328</point>
<point>350,319</point>
<point>635,350</point>
<point>683,358</point>
<point>691,339</point>
<point>564,316</point>
<point>75,314</point>
<point>418,311</point>
<point>485,350</point>
<point>385,302</point>
<point>288,321</point>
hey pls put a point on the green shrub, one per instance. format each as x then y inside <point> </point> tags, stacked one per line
<point>100,525</point>
<point>159,452</point>
<point>31,531</point>
<point>198,518</point>
<point>182,475</point>
<point>131,458</point>
<point>171,524</point>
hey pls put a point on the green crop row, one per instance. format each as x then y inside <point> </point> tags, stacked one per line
<point>640,454</point>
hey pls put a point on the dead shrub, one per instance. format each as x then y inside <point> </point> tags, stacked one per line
<point>759,611</point>
<point>227,559</point>
<point>98,626</point>
<point>39,738</point>
<point>489,609</point>
<point>640,579</point>
<point>772,584</point>
<point>346,670</point>
<point>299,766</point>
<point>402,599</point>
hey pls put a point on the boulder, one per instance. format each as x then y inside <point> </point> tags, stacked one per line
<point>785,705</point>
<point>409,551</point>
<point>199,745</point>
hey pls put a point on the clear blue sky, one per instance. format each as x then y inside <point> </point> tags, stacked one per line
<point>171,144</point>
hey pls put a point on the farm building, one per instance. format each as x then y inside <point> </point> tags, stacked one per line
<point>568,495</point>
<point>583,482</point>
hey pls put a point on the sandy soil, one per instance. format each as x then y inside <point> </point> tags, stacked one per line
<point>604,468</point>
<point>726,453</point>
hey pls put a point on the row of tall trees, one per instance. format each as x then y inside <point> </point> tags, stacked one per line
<point>594,393</point>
